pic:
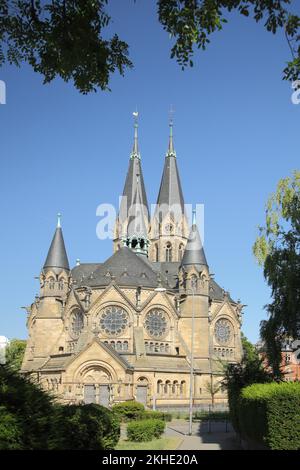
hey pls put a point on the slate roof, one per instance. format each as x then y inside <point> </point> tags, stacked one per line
<point>128,268</point>
<point>170,191</point>
<point>134,177</point>
<point>194,252</point>
<point>57,255</point>
<point>131,269</point>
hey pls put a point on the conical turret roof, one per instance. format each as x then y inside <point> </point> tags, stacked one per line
<point>194,252</point>
<point>57,255</point>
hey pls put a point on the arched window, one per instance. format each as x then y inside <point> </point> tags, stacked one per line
<point>77,322</point>
<point>193,281</point>
<point>51,282</point>
<point>182,388</point>
<point>168,253</point>
<point>180,251</point>
<point>167,387</point>
<point>61,284</point>
<point>125,346</point>
<point>119,346</point>
<point>159,387</point>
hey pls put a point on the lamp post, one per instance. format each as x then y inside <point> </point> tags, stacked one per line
<point>158,289</point>
<point>192,366</point>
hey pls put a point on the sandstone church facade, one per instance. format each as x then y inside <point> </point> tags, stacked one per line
<point>136,325</point>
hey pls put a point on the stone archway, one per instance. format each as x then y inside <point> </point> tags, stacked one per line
<point>97,385</point>
<point>142,388</point>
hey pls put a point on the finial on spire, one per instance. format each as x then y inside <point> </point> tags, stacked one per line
<point>171,150</point>
<point>59,220</point>
<point>135,150</point>
<point>194,217</point>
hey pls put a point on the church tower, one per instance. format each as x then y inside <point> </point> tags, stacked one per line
<point>134,194</point>
<point>169,228</point>
<point>194,281</point>
<point>55,284</point>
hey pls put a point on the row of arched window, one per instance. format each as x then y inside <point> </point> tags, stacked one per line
<point>52,283</point>
<point>157,347</point>
<point>171,389</point>
<point>223,352</point>
<point>169,252</point>
<point>118,345</point>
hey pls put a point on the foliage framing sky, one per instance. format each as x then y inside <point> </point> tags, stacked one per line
<point>236,134</point>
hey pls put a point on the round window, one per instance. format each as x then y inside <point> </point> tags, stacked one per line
<point>76,323</point>
<point>223,331</point>
<point>113,320</point>
<point>156,323</point>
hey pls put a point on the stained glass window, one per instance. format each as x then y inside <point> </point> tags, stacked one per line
<point>223,331</point>
<point>76,323</point>
<point>113,320</point>
<point>156,323</point>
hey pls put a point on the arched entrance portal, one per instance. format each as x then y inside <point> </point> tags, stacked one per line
<point>142,390</point>
<point>97,385</point>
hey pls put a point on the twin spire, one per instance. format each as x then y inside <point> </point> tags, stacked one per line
<point>133,217</point>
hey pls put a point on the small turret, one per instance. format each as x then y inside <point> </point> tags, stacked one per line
<point>194,270</point>
<point>56,270</point>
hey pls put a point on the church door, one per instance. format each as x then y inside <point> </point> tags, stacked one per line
<point>104,395</point>
<point>141,394</point>
<point>89,394</point>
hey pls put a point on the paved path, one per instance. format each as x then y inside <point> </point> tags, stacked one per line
<point>201,439</point>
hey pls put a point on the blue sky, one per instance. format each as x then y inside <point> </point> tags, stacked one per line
<point>235,129</point>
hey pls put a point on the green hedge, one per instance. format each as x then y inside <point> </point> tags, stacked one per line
<point>270,415</point>
<point>29,419</point>
<point>145,430</point>
<point>84,427</point>
<point>129,410</point>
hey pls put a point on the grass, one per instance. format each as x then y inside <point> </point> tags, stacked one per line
<point>165,443</point>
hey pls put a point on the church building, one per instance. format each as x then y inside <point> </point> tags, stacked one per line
<point>150,323</point>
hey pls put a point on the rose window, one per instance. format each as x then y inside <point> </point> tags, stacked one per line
<point>113,320</point>
<point>223,331</point>
<point>156,323</point>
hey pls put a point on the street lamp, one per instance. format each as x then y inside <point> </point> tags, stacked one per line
<point>158,289</point>
<point>192,365</point>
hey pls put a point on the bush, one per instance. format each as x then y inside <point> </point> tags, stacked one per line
<point>10,431</point>
<point>270,415</point>
<point>129,410</point>
<point>30,420</point>
<point>145,430</point>
<point>84,427</point>
<point>27,407</point>
<point>149,414</point>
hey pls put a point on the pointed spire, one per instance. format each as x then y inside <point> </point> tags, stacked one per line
<point>171,150</point>
<point>134,179</point>
<point>136,223</point>
<point>57,256</point>
<point>194,252</point>
<point>170,191</point>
